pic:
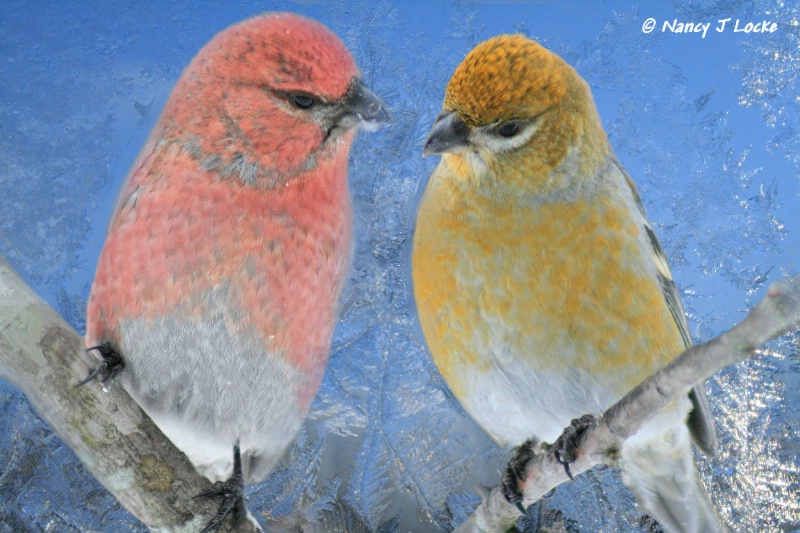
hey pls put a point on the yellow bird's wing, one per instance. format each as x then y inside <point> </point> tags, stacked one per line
<point>700,422</point>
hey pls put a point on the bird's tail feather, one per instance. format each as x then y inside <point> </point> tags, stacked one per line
<point>662,475</point>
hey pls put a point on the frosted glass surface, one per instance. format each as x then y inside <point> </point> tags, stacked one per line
<point>707,127</point>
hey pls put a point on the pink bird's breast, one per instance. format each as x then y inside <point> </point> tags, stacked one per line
<point>223,298</point>
<point>282,253</point>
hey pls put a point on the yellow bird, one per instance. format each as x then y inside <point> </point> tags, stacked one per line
<point>542,289</point>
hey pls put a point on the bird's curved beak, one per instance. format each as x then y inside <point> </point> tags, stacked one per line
<point>361,108</point>
<point>449,134</point>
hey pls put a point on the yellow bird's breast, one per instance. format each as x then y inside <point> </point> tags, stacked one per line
<point>560,290</point>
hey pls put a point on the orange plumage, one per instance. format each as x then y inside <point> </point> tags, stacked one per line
<point>541,288</point>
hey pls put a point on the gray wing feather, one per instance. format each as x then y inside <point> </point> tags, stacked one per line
<point>700,422</point>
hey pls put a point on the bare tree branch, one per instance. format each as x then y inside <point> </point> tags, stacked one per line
<point>43,356</point>
<point>777,314</point>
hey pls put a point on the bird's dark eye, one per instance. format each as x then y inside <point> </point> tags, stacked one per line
<point>303,101</point>
<point>509,129</point>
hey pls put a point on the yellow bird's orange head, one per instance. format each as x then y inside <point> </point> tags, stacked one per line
<point>514,107</point>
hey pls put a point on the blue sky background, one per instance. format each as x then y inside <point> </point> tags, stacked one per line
<point>706,127</point>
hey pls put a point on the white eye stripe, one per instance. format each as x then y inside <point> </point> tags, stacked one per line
<point>491,139</point>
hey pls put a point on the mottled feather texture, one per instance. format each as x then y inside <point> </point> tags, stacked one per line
<point>542,291</point>
<point>510,77</point>
<point>231,241</point>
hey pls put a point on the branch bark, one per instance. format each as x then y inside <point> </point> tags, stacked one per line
<point>44,357</point>
<point>777,314</point>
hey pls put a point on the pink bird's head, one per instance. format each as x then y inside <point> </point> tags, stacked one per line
<point>268,98</point>
<point>288,54</point>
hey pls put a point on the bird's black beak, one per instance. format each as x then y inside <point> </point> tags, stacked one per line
<point>361,108</point>
<point>449,134</point>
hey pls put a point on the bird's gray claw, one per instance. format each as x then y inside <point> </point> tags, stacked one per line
<point>232,492</point>
<point>515,473</point>
<point>568,443</point>
<point>111,364</point>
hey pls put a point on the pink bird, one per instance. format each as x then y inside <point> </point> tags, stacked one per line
<point>219,280</point>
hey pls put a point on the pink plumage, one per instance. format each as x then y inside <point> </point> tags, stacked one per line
<point>231,241</point>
